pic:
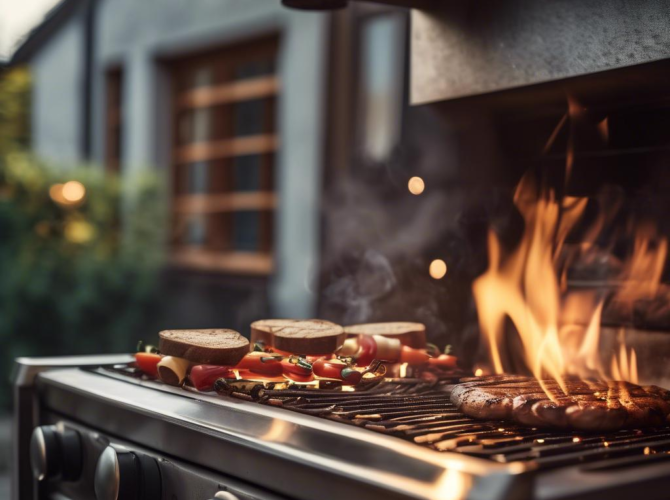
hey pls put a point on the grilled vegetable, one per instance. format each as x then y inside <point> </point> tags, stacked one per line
<point>148,362</point>
<point>294,365</point>
<point>337,370</point>
<point>172,370</point>
<point>367,351</point>
<point>444,361</point>
<point>203,376</point>
<point>299,378</point>
<point>387,349</point>
<point>261,362</point>
<point>413,356</point>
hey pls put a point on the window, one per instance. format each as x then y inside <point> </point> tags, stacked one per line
<point>114,120</point>
<point>224,149</point>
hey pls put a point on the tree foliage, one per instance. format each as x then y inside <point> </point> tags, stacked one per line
<point>14,109</point>
<point>78,262</point>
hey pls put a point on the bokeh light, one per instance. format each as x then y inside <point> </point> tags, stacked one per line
<point>416,185</point>
<point>438,269</point>
<point>68,194</point>
<point>73,191</point>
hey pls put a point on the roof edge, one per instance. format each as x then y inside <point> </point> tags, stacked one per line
<point>52,21</point>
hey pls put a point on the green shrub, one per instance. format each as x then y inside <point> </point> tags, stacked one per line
<point>76,277</point>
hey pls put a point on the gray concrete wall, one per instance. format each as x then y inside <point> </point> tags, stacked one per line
<point>57,95</point>
<point>137,35</point>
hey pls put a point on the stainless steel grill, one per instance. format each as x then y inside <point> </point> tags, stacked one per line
<point>421,412</point>
<point>394,439</point>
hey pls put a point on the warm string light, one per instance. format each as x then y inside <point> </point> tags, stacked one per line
<point>416,185</point>
<point>437,269</point>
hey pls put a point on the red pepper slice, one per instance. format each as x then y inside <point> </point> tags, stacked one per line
<point>337,370</point>
<point>368,350</point>
<point>261,362</point>
<point>413,356</point>
<point>299,378</point>
<point>148,362</point>
<point>290,367</point>
<point>203,376</point>
<point>444,361</point>
<point>313,359</point>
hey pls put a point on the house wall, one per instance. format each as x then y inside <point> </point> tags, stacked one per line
<point>57,72</point>
<point>137,35</point>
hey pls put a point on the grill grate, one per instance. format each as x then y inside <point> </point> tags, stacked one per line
<point>421,412</point>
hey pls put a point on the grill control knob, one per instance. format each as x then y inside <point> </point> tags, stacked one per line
<point>55,453</point>
<point>125,475</point>
<point>225,495</point>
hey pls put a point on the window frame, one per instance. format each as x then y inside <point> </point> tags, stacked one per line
<point>218,151</point>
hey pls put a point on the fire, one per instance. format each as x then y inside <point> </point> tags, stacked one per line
<point>641,276</point>
<point>559,332</point>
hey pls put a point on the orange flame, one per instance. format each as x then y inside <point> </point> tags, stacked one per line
<point>559,333</point>
<point>641,276</point>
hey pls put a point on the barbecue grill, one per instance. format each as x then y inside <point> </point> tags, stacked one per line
<point>93,427</point>
<point>396,438</point>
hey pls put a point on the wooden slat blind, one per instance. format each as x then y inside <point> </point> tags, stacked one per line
<point>224,149</point>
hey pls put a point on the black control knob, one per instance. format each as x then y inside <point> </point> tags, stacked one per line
<point>126,475</point>
<point>55,453</point>
<point>225,495</point>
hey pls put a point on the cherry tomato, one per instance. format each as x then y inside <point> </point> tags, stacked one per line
<point>148,362</point>
<point>444,361</point>
<point>368,350</point>
<point>413,356</point>
<point>203,376</point>
<point>336,370</point>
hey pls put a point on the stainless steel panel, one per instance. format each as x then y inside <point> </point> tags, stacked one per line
<point>180,481</point>
<point>295,455</point>
<point>26,410</point>
<point>466,47</point>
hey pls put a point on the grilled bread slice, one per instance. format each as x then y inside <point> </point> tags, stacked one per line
<point>211,347</point>
<point>310,336</point>
<point>409,334</point>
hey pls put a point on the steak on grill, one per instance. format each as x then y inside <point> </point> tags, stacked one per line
<point>589,405</point>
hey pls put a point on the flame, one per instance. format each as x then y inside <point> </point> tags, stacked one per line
<point>403,370</point>
<point>525,287</point>
<point>641,275</point>
<point>559,332</point>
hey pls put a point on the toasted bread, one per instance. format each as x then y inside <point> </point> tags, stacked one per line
<point>312,336</point>
<point>215,347</point>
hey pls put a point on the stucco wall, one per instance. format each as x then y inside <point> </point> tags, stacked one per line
<point>137,35</point>
<point>57,95</point>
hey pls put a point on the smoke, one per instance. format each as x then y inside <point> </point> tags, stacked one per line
<point>379,239</point>
<point>357,293</point>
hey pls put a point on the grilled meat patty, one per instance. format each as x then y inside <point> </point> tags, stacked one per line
<point>589,405</point>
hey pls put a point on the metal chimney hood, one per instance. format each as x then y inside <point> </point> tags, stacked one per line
<point>469,47</point>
